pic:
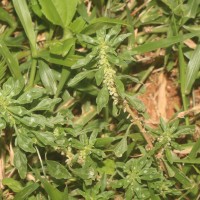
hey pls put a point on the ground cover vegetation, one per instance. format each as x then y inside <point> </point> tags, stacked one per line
<point>99,99</point>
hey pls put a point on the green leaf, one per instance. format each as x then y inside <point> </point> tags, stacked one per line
<point>57,170</point>
<point>84,61</point>
<point>151,46</point>
<point>102,99</point>
<point>105,141</point>
<point>181,177</point>
<point>63,11</point>
<point>28,190</point>
<point>108,167</point>
<point>46,104</point>
<point>119,39</point>
<point>189,160</point>
<point>169,155</point>
<point>170,171</point>
<point>25,142</point>
<point>121,147</point>
<point>88,112</point>
<point>78,25</point>
<point>62,47</point>
<point>30,95</point>
<point>135,102</point>
<point>36,8</point>
<point>53,192</point>
<point>108,20</point>
<point>13,87</point>
<point>3,68</point>
<point>20,162</point>
<point>192,70</point>
<point>116,61</point>
<point>47,138</point>
<point>11,61</point>
<point>99,76</point>
<point>132,78</point>
<point>6,17</point>
<point>192,8</point>
<point>18,110</point>
<point>149,174</point>
<point>86,38</point>
<point>66,61</point>
<point>47,77</point>
<point>113,32</point>
<point>25,18</point>
<point>14,185</point>
<point>120,87</point>
<point>33,120</point>
<point>79,77</point>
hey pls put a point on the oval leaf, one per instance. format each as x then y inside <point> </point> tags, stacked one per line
<point>79,77</point>
<point>20,162</point>
<point>102,99</point>
<point>57,170</point>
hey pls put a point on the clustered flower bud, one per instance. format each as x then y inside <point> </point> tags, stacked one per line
<point>69,156</point>
<point>109,74</point>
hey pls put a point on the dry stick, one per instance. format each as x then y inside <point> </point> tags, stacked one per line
<point>2,161</point>
<point>139,124</point>
<point>139,8</point>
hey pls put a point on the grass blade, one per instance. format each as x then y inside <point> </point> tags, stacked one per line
<point>192,69</point>
<point>28,190</point>
<point>25,18</point>
<point>151,46</point>
<point>192,8</point>
<point>10,60</point>
<point>3,68</point>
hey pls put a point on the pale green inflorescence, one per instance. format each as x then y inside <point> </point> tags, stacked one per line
<point>109,73</point>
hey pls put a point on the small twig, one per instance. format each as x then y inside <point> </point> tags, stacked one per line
<point>2,162</point>
<point>186,112</point>
<point>139,8</point>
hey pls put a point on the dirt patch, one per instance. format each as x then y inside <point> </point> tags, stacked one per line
<point>161,98</point>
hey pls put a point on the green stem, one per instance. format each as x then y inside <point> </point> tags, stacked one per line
<point>144,77</point>
<point>32,73</point>
<point>106,113</point>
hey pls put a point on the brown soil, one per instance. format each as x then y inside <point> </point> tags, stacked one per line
<point>161,98</point>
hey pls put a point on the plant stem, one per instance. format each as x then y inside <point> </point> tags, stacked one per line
<point>144,77</point>
<point>140,126</point>
<point>40,161</point>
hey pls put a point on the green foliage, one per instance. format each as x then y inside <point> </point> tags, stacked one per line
<point>72,122</point>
